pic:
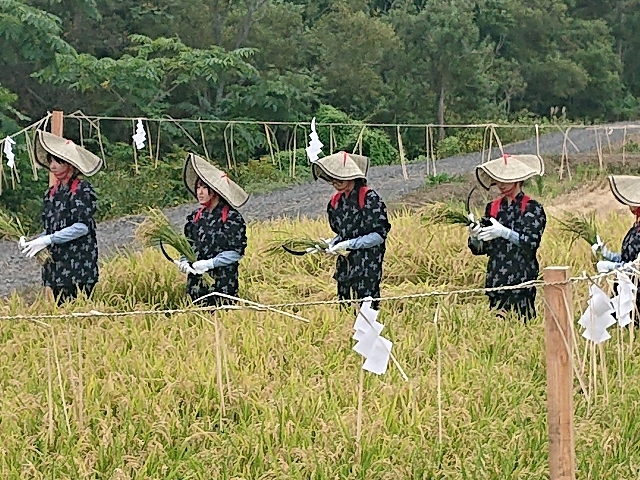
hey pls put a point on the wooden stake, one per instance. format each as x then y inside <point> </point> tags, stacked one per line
<point>57,125</point>
<point>223,412</point>
<point>359,418</point>
<point>438,374</point>
<point>559,374</point>
<point>50,398</point>
<point>624,144</point>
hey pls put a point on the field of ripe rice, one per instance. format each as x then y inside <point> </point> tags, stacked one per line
<point>138,397</point>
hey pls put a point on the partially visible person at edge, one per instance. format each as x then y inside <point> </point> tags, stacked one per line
<point>67,217</point>
<point>512,238</point>
<point>358,217</point>
<point>626,189</point>
<point>216,230</point>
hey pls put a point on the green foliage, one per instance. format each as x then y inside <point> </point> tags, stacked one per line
<point>375,144</point>
<point>145,79</point>
<point>442,178</point>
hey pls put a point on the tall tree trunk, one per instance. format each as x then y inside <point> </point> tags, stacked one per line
<point>441,111</point>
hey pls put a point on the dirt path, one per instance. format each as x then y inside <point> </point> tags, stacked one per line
<point>300,200</point>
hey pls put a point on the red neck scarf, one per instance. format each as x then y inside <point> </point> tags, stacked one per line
<point>65,178</point>
<point>202,209</point>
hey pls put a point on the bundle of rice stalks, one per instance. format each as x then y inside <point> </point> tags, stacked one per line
<point>157,228</point>
<point>12,229</point>
<point>580,226</point>
<point>451,213</point>
<point>299,244</point>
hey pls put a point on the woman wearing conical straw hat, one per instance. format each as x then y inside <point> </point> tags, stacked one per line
<point>626,189</point>
<point>358,217</point>
<point>513,234</point>
<point>216,231</point>
<point>67,216</point>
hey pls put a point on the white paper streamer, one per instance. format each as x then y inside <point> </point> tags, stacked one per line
<point>315,145</point>
<point>8,151</point>
<point>140,136</point>
<point>374,348</point>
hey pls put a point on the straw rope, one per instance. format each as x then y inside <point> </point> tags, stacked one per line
<point>250,305</point>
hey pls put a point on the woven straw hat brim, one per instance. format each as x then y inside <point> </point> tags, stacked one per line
<point>196,167</point>
<point>341,166</point>
<point>626,189</point>
<point>81,158</point>
<point>509,169</point>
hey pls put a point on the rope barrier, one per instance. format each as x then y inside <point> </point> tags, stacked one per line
<point>341,124</point>
<point>249,305</point>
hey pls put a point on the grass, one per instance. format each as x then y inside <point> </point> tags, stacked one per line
<point>143,395</point>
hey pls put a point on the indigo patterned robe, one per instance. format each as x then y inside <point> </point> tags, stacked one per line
<point>359,273</point>
<point>211,234</point>
<point>511,264</point>
<point>75,262</point>
<point>629,253</point>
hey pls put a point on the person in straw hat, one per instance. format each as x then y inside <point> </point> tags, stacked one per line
<point>216,231</point>
<point>513,234</point>
<point>358,217</point>
<point>626,189</point>
<point>67,216</point>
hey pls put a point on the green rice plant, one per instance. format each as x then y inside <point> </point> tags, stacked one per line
<point>157,229</point>
<point>12,229</point>
<point>448,213</point>
<point>299,244</point>
<point>579,226</point>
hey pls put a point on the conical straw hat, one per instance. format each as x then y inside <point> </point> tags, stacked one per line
<point>626,189</point>
<point>81,158</point>
<point>508,169</point>
<point>341,166</point>
<point>196,167</point>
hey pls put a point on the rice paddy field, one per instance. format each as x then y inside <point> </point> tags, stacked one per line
<point>246,394</point>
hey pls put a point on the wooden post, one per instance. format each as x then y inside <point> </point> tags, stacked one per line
<point>57,126</point>
<point>57,122</point>
<point>559,374</point>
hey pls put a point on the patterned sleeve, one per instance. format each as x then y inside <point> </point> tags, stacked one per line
<point>533,225</point>
<point>376,210</point>
<point>236,232</point>
<point>631,245</point>
<point>479,247</point>
<point>85,204</point>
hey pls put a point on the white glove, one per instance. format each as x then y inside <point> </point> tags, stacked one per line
<point>22,242</point>
<point>34,246</point>
<point>495,230</point>
<point>340,248</point>
<point>201,266</point>
<point>184,267</point>
<point>605,266</point>
<point>597,246</point>
<point>329,241</point>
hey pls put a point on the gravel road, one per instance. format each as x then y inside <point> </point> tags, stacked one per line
<point>303,200</point>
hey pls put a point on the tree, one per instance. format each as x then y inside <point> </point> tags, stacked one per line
<point>143,81</point>
<point>445,54</point>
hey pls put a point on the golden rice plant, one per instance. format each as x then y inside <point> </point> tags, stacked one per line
<point>157,228</point>
<point>11,228</point>
<point>580,226</point>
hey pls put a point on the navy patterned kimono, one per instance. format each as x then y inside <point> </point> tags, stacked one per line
<point>210,233</point>
<point>511,264</point>
<point>359,273</point>
<point>73,264</point>
<point>629,253</point>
